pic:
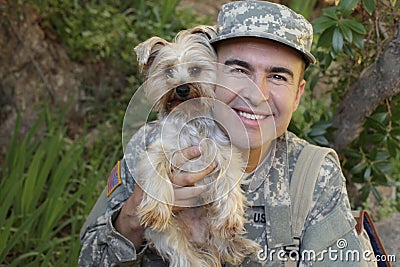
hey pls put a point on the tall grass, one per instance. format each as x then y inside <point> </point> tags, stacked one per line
<point>46,190</point>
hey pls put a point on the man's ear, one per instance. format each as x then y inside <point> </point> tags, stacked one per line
<point>300,91</point>
<point>147,50</point>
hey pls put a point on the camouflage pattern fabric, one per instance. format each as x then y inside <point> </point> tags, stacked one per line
<point>267,191</point>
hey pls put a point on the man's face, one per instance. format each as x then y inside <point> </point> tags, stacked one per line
<point>260,83</point>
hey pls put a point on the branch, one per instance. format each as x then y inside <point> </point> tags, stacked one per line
<point>379,81</point>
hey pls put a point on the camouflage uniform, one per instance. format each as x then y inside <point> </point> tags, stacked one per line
<point>268,217</point>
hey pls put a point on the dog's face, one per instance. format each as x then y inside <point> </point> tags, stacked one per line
<point>180,70</point>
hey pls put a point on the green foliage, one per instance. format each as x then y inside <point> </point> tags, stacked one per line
<point>370,158</point>
<point>44,190</point>
<point>348,38</point>
<point>305,7</point>
<point>387,207</point>
<point>338,32</point>
<point>109,30</point>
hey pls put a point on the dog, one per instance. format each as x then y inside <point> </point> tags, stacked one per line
<point>180,79</point>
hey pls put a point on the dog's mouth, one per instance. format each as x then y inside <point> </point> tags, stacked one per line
<point>180,94</point>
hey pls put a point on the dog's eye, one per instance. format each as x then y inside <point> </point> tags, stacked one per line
<point>194,70</point>
<point>169,72</point>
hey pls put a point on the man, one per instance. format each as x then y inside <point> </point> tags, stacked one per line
<point>268,44</point>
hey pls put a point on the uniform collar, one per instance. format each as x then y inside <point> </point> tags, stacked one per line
<point>275,161</point>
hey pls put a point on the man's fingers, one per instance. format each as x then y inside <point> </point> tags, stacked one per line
<point>190,178</point>
<point>181,156</point>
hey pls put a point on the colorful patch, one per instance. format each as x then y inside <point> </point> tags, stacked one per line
<point>114,180</point>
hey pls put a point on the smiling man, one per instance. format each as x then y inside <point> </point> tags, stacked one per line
<point>263,50</point>
<point>261,81</point>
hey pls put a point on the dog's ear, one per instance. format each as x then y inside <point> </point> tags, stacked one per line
<point>147,50</point>
<point>210,32</point>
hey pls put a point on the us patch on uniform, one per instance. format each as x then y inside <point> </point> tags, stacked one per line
<point>114,180</point>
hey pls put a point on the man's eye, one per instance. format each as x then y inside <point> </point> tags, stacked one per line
<point>238,71</point>
<point>194,70</point>
<point>279,77</point>
<point>169,72</point>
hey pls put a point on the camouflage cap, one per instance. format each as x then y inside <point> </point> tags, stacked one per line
<point>266,20</point>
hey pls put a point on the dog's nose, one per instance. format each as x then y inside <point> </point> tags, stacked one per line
<point>183,90</point>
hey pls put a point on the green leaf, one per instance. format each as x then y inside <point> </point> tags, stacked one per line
<point>348,50</point>
<point>322,23</point>
<point>27,224</point>
<point>376,138</point>
<point>321,140</point>
<point>347,33</point>
<point>313,81</point>
<point>352,153</point>
<point>325,39</point>
<point>346,6</point>
<point>392,147</point>
<point>307,116</point>
<point>331,12</point>
<point>376,193</point>
<point>6,231</point>
<point>396,114</point>
<point>382,155</point>
<point>395,131</point>
<point>367,173</point>
<point>323,124</point>
<point>384,166</point>
<point>337,40</point>
<point>358,168</point>
<point>365,191</point>
<point>376,124</point>
<point>369,6</point>
<point>317,132</point>
<point>327,61</point>
<point>354,26</point>
<point>381,116</point>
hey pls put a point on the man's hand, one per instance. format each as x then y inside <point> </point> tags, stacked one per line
<point>127,223</point>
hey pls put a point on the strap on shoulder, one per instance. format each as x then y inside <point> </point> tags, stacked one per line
<point>303,182</point>
<point>98,209</point>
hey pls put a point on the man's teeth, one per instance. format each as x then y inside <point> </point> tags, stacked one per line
<point>251,116</point>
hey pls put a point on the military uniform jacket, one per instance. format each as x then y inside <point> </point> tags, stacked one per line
<point>268,215</point>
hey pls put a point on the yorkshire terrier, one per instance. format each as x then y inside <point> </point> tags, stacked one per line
<point>180,79</point>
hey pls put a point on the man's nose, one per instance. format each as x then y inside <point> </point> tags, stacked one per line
<point>262,90</point>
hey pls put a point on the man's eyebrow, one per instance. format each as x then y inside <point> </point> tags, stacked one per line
<point>237,62</point>
<point>281,70</point>
<point>245,64</point>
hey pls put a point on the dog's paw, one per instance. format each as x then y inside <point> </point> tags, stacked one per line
<point>232,226</point>
<point>238,248</point>
<point>155,215</point>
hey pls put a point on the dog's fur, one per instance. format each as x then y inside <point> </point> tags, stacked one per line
<point>180,78</point>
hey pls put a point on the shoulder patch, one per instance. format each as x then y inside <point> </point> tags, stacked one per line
<point>114,180</point>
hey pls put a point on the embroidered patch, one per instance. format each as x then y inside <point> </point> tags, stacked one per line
<point>114,180</point>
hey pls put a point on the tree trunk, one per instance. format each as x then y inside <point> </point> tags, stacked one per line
<point>379,81</point>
